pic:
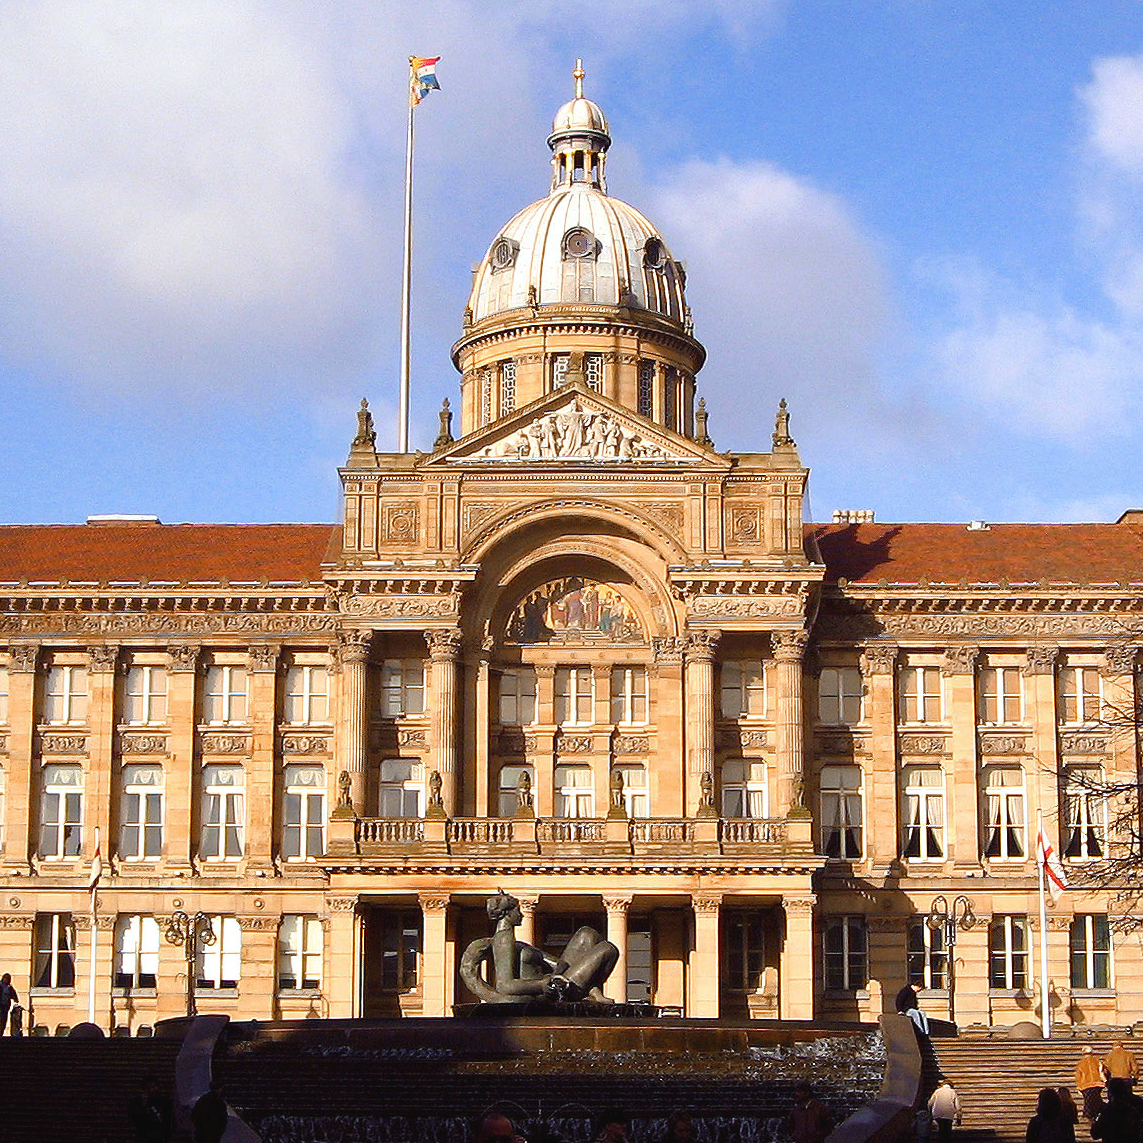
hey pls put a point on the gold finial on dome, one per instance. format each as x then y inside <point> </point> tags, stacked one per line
<point>580,76</point>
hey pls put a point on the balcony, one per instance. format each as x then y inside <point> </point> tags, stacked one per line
<point>569,839</point>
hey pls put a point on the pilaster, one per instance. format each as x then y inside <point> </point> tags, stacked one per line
<point>1039,673</point>
<point>958,678</point>
<point>343,945</point>
<point>19,818</point>
<point>179,842</point>
<point>444,649</point>
<point>353,657</point>
<point>789,652</point>
<point>703,983</point>
<point>617,908</point>
<point>262,779</point>
<point>669,712</point>
<point>701,649</point>
<point>98,786</point>
<point>796,994</point>
<point>434,954</point>
<point>878,674</point>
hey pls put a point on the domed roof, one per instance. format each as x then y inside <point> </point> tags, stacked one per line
<point>579,246</point>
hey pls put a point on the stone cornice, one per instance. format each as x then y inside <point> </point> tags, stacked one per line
<point>776,865</point>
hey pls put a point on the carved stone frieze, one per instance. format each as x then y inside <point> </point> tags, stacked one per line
<point>257,923</point>
<point>669,513</point>
<point>878,923</point>
<point>923,744</point>
<point>445,643</point>
<point>434,902</point>
<point>971,624</point>
<point>1081,743</point>
<point>17,920</point>
<point>531,743</point>
<point>631,744</point>
<point>1119,660</point>
<point>616,904</point>
<point>411,737</point>
<point>402,606</point>
<point>1040,661</point>
<point>992,744</point>
<point>163,623</point>
<point>341,904</point>
<point>749,739</point>
<point>841,742</point>
<point>960,660</point>
<point>745,606</point>
<point>576,743</point>
<point>262,658</point>
<point>745,525</point>
<point>63,744</point>
<point>702,644</point>
<point>3,744</point>
<point>354,646</point>
<point>798,906</point>
<point>401,523</point>
<point>306,744</point>
<point>707,902</point>
<point>142,744</point>
<point>879,658</point>
<point>215,743</point>
<point>473,514</point>
<point>183,657</point>
<point>22,658</point>
<point>104,657</point>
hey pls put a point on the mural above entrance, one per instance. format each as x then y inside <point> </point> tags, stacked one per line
<point>574,610</point>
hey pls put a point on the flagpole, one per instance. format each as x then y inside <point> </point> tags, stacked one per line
<point>406,275</point>
<point>1041,861</point>
<point>94,927</point>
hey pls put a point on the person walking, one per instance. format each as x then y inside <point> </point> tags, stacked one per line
<point>944,1107</point>
<point>809,1120</point>
<point>1120,1063</point>
<point>1119,1121</point>
<point>1089,1083</point>
<point>1049,1124</point>
<point>8,997</point>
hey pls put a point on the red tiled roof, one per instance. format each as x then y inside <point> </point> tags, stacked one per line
<point>279,553</point>
<point>948,553</point>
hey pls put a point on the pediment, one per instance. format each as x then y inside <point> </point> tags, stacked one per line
<point>575,426</point>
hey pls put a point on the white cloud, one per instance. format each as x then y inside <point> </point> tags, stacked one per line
<point>1114,105</point>
<point>789,294</point>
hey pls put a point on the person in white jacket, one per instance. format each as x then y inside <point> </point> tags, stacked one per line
<point>944,1107</point>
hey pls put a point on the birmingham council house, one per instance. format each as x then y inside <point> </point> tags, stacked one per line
<point>577,653</point>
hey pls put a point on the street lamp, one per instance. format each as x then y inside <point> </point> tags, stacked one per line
<point>191,933</point>
<point>943,920</point>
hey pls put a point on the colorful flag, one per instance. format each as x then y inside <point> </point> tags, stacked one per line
<point>1054,876</point>
<point>424,77</point>
<point>96,871</point>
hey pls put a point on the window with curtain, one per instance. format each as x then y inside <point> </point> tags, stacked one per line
<point>223,812</point>
<point>54,965</point>
<point>136,951</point>
<point>575,792</point>
<point>744,789</point>
<point>845,961</point>
<point>1004,827</point>
<point>635,800</point>
<point>1085,819</point>
<point>841,811</point>
<point>924,789</point>
<point>220,965</point>
<point>303,813</point>
<point>61,811</point>
<point>299,952</point>
<point>141,823</point>
<point>927,957</point>
<point>402,788</point>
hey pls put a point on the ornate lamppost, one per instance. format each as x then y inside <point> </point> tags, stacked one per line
<point>192,933</point>
<point>943,920</point>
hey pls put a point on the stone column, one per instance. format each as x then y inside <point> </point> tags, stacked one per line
<point>342,981</point>
<point>482,730</point>
<point>353,657</point>
<point>616,984</point>
<point>789,651</point>
<point>669,705</point>
<point>701,650</point>
<point>796,988</point>
<point>262,667</point>
<point>878,673</point>
<point>99,786</point>
<point>179,839</point>
<point>22,780</point>
<point>703,982</point>
<point>526,930</point>
<point>434,954</point>
<point>958,677</point>
<point>444,647</point>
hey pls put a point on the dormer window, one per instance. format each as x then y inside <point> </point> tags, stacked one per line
<point>654,257</point>
<point>504,252</point>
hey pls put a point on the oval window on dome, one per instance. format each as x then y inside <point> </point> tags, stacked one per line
<point>503,253</point>
<point>579,243</point>
<point>654,256</point>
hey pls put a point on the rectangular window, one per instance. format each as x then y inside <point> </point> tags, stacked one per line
<point>518,697</point>
<point>1080,695</point>
<point>743,689</point>
<point>223,812</point>
<point>1008,952</point>
<point>55,951</point>
<point>402,788</point>
<point>400,950</point>
<point>839,696</point>
<point>1085,820</point>
<point>299,953</point>
<point>510,788</point>
<point>628,696</point>
<point>303,813</point>
<point>1000,696</point>
<point>65,695</point>
<point>575,696</point>
<point>635,800</point>
<point>307,695</point>
<point>924,789</point>
<point>507,387</point>
<point>575,793</point>
<point>646,397</point>
<point>559,370</point>
<point>927,958</point>
<point>920,694</point>
<point>593,371</point>
<point>224,695</point>
<point>141,826</point>
<point>744,789</point>
<point>61,811</point>
<point>745,951</point>
<point>1090,945</point>
<point>219,965</point>
<point>136,951</point>
<point>402,687</point>
<point>845,954</point>
<point>670,398</point>
<point>3,696</point>
<point>145,695</point>
<point>841,811</point>
<point>1004,813</point>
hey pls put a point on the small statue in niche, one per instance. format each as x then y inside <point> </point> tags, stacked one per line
<point>522,972</point>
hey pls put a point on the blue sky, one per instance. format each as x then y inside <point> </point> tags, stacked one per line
<point>920,221</point>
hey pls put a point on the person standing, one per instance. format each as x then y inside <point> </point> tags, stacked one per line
<point>150,1113</point>
<point>809,1120</point>
<point>1120,1063</point>
<point>944,1107</point>
<point>8,997</point>
<point>1049,1124</point>
<point>1119,1121</point>
<point>1089,1083</point>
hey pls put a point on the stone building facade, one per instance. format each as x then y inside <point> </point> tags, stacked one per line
<point>577,653</point>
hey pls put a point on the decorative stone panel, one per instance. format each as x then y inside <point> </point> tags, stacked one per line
<point>923,744</point>
<point>63,744</point>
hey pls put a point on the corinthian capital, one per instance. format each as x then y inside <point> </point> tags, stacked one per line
<point>354,645</point>
<point>444,643</point>
<point>703,643</point>
<point>790,646</point>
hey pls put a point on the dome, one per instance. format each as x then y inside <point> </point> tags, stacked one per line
<point>579,246</point>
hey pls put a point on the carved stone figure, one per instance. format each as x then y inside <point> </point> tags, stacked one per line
<point>521,972</point>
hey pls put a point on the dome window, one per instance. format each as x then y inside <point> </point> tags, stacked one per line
<point>580,243</point>
<point>654,256</point>
<point>504,252</point>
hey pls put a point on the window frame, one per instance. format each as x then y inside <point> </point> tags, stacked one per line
<point>132,959</point>
<point>310,699</point>
<point>225,695</point>
<point>923,798</point>
<point>1093,951</point>
<point>1087,704</point>
<point>1000,696</point>
<point>508,796</point>
<point>141,809</point>
<point>574,696</point>
<point>298,959</point>
<point>71,696</point>
<point>1084,816</point>
<point>150,700</point>
<point>1012,956</point>
<point>845,688</point>
<point>414,784</point>
<point>308,799</point>
<point>228,800</point>
<point>742,689</point>
<point>577,796</point>
<point>838,827</point>
<point>67,818</point>
<point>921,694</point>
<point>402,691</point>
<point>50,956</point>
<point>739,776</point>
<point>225,953</point>
<point>999,835</point>
<point>926,956</point>
<point>852,959</point>
<point>629,697</point>
<point>516,696</point>
<point>744,962</point>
